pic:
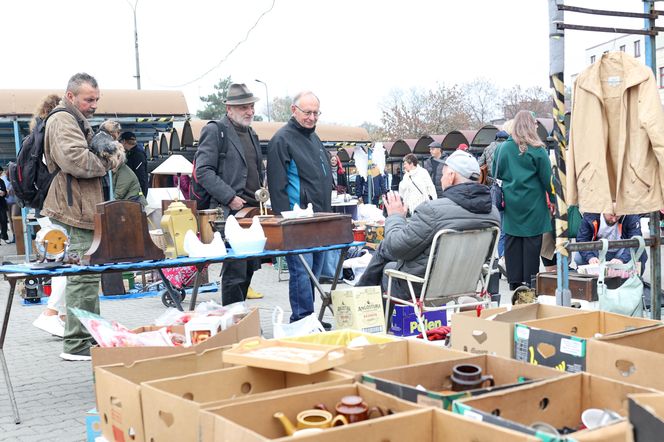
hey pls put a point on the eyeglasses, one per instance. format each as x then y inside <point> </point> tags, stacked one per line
<point>308,113</point>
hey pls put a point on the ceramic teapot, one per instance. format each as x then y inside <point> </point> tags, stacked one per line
<point>309,419</point>
<point>354,409</point>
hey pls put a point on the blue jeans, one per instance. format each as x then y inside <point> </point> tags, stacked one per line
<point>300,286</point>
<point>501,240</point>
<point>330,262</point>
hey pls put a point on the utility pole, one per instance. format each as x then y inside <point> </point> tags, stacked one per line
<point>267,98</point>
<point>138,68</point>
<point>557,80</point>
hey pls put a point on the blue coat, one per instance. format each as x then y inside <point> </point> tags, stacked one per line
<point>630,226</point>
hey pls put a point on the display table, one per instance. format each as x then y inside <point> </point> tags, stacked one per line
<point>16,272</point>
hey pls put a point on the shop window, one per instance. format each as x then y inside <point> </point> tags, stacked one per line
<point>637,48</point>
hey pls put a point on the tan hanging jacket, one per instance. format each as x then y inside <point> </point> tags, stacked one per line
<point>616,147</point>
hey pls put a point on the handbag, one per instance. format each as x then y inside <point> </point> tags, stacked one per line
<point>497,197</point>
<point>628,298</point>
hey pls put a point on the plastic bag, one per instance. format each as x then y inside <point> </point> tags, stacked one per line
<point>304,326</point>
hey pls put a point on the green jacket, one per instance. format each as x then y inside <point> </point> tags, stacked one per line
<point>526,180</point>
<point>126,186</point>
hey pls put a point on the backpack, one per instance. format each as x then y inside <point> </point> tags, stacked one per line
<point>197,192</point>
<point>29,176</point>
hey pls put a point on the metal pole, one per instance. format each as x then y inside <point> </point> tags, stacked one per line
<point>138,68</point>
<point>559,176</point>
<point>655,249</point>
<point>267,98</point>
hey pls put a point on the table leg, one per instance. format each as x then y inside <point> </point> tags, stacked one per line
<point>175,295</point>
<point>5,323</point>
<point>326,297</point>
<point>197,283</point>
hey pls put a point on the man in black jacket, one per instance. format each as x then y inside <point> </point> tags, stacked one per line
<point>230,168</point>
<point>137,160</point>
<point>298,172</point>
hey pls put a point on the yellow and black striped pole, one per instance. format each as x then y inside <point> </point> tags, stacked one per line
<point>559,176</point>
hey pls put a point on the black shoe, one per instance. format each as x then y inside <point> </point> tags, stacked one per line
<point>325,280</point>
<point>326,325</point>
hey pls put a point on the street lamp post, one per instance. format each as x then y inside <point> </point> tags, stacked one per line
<point>138,69</point>
<point>267,98</point>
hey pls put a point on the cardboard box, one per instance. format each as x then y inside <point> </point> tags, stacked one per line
<point>171,406</point>
<point>434,377</point>
<point>92,425</point>
<point>562,342</point>
<point>253,420</point>
<point>359,308</point>
<point>636,357</point>
<point>646,414</point>
<point>120,395</point>
<point>425,425</point>
<point>404,321</point>
<point>248,327</point>
<point>493,331</point>
<point>558,402</point>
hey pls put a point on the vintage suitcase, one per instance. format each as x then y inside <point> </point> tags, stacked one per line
<point>323,229</point>
<point>581,286</point>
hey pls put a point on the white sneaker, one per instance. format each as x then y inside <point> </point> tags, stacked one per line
<point>75,357</point>
<point>50,324</point>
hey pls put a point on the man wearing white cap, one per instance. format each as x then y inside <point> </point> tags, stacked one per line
<point>464,205</point>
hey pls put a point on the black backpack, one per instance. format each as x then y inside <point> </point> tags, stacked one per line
<point>197,191</point>
<point>29,176</point>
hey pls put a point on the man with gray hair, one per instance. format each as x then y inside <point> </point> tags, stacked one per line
<point>229,168</point>
<point>464,205</point>
<point>298,172</point>
<point>74,192</point>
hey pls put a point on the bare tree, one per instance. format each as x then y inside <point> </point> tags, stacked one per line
<point>280,108</point>
<point>482,100</point>
<point>419,112</point>
<point>534,99</point>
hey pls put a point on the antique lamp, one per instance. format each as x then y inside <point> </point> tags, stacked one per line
<point>177,218</point>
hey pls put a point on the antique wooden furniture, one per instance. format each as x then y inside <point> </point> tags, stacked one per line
<point>121,235</point>
<point>300,233</point>
<point>581,286</point>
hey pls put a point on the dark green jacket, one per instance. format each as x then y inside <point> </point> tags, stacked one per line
<point>526,180</point>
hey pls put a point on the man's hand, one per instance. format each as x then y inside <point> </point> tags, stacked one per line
<point>616,261</point>
<point>593,260</point>
<point>236,203</point>
<point>394,205</point>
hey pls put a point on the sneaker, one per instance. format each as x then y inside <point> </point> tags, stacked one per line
<point>50,324</point>
<point>501,266</point>
<point>83,355</point>
<point>253,294</point>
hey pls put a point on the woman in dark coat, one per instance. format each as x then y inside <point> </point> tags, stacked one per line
<point>340,184</point>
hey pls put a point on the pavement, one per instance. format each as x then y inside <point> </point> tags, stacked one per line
<point>53,395</point>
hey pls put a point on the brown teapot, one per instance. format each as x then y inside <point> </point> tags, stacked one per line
<point>354,409</point>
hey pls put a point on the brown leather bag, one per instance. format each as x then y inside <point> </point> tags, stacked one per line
<point>484,173</point>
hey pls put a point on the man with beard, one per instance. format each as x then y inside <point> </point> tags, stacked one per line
<point>229,166</point>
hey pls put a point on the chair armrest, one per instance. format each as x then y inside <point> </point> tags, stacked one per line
<point>393,273</point>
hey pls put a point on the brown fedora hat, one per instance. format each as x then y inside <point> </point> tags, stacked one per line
<point>239,94</point>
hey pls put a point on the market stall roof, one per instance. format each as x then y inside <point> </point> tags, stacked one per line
<point>345,154</point>
<point>191,132</point>
<point>484,136</point>
<point>544,128</point>
<point>400,148</point>
<point>113,102</point>
<point>456,137</point>
<point>422,145</point>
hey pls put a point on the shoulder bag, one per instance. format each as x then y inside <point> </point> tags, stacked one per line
<point>497,197</point>
<point>628,298</point>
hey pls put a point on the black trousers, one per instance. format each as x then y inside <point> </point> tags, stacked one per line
<point>236,279</point>
<point>522,258</point>
<point>4,220</point>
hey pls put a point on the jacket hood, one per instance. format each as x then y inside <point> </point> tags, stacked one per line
<point>300,128</point>
<point>474,197</point>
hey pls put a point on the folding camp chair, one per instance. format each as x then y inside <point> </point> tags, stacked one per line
<point>458,261</point>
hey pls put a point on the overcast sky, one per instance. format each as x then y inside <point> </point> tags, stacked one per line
<point>352,53</point>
